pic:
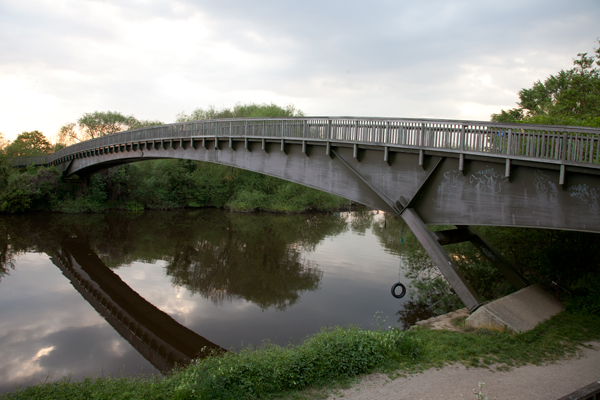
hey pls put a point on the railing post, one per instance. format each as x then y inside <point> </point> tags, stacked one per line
<point>216,135</point>
<point>400,133</point>
<point>329,129</point>
<point>564,147</point>
<point>462,138</point>
<point>305,129</point>
<point>387,132</point>
<point>509,142</point>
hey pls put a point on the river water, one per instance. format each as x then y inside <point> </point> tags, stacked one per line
<point>132,293</point>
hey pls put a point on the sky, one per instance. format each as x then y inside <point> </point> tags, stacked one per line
<point>154,59</point>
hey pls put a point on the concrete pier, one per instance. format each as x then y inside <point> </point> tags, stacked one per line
<point>518,312</point>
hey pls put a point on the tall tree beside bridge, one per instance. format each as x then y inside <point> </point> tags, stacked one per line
<point>570,97</point>
<point>99,123</point>
<point>29,144</point>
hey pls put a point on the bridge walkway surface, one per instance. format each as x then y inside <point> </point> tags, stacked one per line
<point>429,172</point>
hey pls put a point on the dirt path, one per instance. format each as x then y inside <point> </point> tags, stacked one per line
<point>548,382</point>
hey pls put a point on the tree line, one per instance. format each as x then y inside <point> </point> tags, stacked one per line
<point>156,184</point>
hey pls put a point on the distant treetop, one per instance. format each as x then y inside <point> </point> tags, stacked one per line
<point>250,110</point>
<point>97,124</point>
<point>29,144</point>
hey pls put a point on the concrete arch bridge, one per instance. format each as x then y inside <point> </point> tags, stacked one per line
<point>441,172</point>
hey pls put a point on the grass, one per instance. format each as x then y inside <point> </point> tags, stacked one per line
<point>550,341</point>
<point>334,358</point>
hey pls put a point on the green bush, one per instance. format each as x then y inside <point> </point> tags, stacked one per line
<point>18,195</point>
<point>330,355</point>
<point>33,188</point>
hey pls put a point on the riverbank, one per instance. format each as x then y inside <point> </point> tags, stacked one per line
<point>545,380</point>
<point>158,185</point>
<point>455,381</point>
<point>317,367</point>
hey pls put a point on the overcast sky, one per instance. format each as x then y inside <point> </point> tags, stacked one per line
<point>156,58</point>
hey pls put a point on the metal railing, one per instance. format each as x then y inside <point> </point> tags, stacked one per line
<point>25,161</point>
<point>538,142</point>
<point>590,392</point>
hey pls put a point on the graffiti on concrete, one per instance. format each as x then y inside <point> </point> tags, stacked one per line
<point>450,187</point>
<point>487,180</point>
<point>454,184</point>
<point>547,190</point>
<point>587,195</point>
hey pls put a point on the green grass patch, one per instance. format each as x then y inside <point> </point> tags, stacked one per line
<point>549,341</point>
<point>335,357</point>
<point>331,355</point>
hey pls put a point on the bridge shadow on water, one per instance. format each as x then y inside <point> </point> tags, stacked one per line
<point>247,257</point>
<point>153,333</point>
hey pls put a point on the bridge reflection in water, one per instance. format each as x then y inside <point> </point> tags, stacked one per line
<point>154,334</point>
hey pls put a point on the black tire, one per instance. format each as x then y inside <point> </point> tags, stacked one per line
<point>402,293</point>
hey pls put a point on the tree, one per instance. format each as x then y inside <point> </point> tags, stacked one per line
<point>97,124</point>
<point>250,110</point>
<point>3,143</point>
<point>29,144</point>
<point>568,98</point>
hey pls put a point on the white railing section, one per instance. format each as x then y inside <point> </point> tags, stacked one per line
<point>515,141</point>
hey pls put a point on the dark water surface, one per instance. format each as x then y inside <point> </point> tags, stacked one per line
<point>131,293</point>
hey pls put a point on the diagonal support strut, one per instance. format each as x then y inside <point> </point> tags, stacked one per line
<point>497,260</point>
<point>429,240</point>
<point>465,233</point>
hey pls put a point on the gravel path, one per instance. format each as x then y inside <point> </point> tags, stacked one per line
<point>548,382</point>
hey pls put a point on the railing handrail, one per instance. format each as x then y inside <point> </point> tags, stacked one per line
<point>532,141</point>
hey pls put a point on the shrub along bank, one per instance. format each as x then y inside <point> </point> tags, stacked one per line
<point>158,184</point>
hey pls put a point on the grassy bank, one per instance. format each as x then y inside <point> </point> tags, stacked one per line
<point>332,357</point>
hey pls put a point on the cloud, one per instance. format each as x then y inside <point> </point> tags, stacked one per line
<point>155,58</point>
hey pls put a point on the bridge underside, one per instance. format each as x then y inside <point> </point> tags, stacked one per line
<point>481,191</point>
<point>424,187</point>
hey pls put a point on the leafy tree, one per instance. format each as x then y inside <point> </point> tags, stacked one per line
<point>29,144</point>
<point>250,110</point>
<point>97,124</point>
<point>570,97</point>
<point>3,143</point>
